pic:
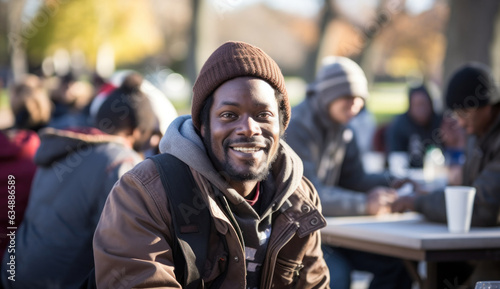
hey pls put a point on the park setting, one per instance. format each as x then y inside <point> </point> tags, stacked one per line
<point>344,144</point>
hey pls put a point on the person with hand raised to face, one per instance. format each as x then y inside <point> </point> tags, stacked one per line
<point>474,99</point>
<point>319,133</point>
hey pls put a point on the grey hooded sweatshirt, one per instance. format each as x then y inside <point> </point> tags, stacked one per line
<point>331,159</point>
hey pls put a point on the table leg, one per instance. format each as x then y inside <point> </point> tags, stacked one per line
<point>412,268</point>
<point>432,272</point>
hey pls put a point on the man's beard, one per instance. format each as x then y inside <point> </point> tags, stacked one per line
<point>228,171</point>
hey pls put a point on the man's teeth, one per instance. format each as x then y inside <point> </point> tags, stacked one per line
<point>246,150</point>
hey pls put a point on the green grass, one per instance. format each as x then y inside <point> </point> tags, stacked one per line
<point>387,100</point>
<point>4,99</point>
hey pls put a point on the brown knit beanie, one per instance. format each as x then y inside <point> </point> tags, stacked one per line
<point>235,59</point>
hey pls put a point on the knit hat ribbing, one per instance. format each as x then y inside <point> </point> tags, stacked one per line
<point>338,77</point>
<point>232,60</point>
<point>471,86</point>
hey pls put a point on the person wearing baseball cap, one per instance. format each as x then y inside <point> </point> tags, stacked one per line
<point>320,135</point>
<point>474,99</point>
<point>264,214</point>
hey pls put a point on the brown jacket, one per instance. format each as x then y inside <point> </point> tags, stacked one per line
<point>132,242</point>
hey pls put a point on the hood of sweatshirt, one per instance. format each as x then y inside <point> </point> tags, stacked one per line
<point>56,144</point>
<point>182,141</point>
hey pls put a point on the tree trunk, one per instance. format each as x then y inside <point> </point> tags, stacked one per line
<point>17,41</point>
<point>469,33</point>
<point>309,71</point>
<point>386,11</point>
<point>4,60</point>
<point>191,65</point>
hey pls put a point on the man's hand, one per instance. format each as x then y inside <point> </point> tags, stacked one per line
<point>403,204</point>
<point>379,200</point>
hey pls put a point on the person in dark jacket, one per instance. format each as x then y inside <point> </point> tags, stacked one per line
<point>327,146</point>
<point>475,100</point>
<point>77,168</point>
<point>416,130</point>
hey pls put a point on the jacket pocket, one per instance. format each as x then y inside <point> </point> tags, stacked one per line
<point>218,267</point>
<point>286,272</point>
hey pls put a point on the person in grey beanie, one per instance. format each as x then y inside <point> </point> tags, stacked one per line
<point>319,133</point>
<point>474,98</point>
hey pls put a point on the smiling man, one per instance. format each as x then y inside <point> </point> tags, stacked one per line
<point>265,215</point>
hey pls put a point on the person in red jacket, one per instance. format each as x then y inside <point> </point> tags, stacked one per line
<point>30,104</point>
<point>16,174</point>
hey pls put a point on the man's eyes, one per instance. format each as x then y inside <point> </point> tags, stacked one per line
<point>227,115</point>
<point>265,114</point>
<point>233,115</point>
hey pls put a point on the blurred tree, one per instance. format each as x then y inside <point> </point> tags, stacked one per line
<point>414,45</point>
<point>4,60</point>
<point>285,36</point>
<point>174,20</point>
<point>327,14</point>
<point>384,15</point>
<point>89,25</point>
<point>191,68</point>
<point>470,33</point>
<point>17,46</point>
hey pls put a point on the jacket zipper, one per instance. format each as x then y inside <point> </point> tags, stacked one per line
<point>281,241</point>
<point>231,218</point>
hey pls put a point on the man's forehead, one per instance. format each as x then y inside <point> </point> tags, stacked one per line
<point>246,85</point>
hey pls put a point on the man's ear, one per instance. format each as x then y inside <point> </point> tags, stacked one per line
<point>202,130</point>
<point>137,134</point>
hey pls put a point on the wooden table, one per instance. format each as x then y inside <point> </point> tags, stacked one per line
<point>410,237</point>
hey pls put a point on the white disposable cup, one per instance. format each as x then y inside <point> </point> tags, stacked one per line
<point>398,164</point>
<point>459,204</point>
<point>373,162</point>
<point>488,285</point>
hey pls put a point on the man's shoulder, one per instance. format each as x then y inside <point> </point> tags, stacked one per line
<point>307,190</point>
<point>145,171</point>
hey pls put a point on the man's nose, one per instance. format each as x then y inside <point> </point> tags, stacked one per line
<point>249,127</point>
<point>356,105</point>
<point>462,122</point>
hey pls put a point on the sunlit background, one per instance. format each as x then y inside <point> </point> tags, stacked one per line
<point>396,42</point>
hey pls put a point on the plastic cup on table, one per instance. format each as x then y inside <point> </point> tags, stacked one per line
<point>459,205</point>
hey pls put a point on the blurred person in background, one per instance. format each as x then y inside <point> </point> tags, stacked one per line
<point>416,130</point>
<point>72,98</point>
<point>77,168</point>
<point>319,134</point>
<point>164,110</point>
<point>453,139</point>
<point>474,98</point>
<point>31,107</point>
<point>364,126</point>
<point>30,104</point>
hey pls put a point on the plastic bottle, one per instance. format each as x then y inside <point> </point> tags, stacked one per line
<point>435,167</point>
